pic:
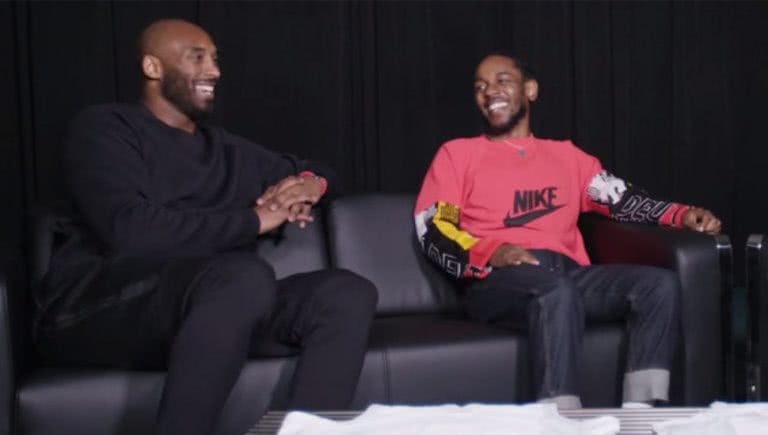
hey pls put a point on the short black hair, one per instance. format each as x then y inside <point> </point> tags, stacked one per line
<point>523,66</point>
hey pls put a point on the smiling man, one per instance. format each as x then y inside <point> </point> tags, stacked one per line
<point>181,66</point>
<point>159,268</point>
<point>499,212</point>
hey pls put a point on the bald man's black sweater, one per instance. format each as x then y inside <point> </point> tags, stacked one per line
<point>143,193</point>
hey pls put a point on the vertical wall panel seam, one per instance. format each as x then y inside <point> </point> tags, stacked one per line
<point>25,104</point>
<point>115,54</point>
<point>612,83</point>
<point>376,145</point>
<point>431,78</point>
<point>574,122</point>
<point>671,186</point>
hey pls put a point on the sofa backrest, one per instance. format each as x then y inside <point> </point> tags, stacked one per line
<point>289,250</point>
<point>48,223</point>
<point>374,236</point>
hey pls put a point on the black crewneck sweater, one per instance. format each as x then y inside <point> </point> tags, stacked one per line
<point>144,193</point>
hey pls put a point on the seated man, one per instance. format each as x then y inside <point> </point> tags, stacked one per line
<point>499,211</point>
<point>159,268</point>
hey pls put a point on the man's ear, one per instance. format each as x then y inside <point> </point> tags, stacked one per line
<point>151,67</point>
<point>531,89</point>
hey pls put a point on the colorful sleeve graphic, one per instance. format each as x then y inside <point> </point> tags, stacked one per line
<point>457,252</point>
<point>618,199</point>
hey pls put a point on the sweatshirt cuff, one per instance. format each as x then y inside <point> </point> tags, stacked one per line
<point>251,224</point>
<point>479,255</point>
<point>673,217</point>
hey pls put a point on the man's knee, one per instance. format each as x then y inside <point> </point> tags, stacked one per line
<point>662,288</point>
<point>240,279</point>
<point>559,301</point>
<point>345,293</point>
<point>557,291</point>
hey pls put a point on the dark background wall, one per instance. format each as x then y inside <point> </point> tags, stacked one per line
<point>669,95</point>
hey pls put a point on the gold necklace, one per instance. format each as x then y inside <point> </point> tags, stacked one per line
<point>520,149</point>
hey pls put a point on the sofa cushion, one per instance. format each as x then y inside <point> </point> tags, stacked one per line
<point>114,402</point>
<point>432,359</point>
<point>368,234</point>
<point>429,359</point>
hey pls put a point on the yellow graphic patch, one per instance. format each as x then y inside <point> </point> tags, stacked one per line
<point>446,220</point>
<point>447,212</point>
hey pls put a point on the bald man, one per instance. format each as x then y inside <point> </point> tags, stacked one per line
<point>158,268</point>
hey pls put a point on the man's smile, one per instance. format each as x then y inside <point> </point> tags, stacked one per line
<point>205,88</point>
<point>497,105</point>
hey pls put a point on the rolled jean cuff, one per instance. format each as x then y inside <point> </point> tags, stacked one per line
<point>646,385</point>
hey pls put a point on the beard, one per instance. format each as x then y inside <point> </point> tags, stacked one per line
<point>175,89</point>
<point>497,130</point>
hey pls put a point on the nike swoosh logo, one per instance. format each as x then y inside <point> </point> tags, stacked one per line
<point>519,221</point>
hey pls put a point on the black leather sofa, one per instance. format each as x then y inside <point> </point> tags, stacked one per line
<point>422,351</point>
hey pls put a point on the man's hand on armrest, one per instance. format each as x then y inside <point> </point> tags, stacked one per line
<point>608,241</point>
<point>701,220</point>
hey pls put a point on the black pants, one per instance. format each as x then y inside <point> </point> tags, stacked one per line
<point>552,301</point>
<point>204,318</point>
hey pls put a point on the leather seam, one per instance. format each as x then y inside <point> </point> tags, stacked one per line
<point>387,376</point>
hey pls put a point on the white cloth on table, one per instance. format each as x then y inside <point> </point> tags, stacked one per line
<point>720,419</point>
<point>475,419</point>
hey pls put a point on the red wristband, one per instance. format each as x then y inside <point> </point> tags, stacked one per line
<point>677,215</point>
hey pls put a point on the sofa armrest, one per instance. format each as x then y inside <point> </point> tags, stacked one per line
<point>10,275</point>
<point>704,265</point>
<point>757,317</point>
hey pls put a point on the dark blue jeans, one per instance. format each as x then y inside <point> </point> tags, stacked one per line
<point>552,301</point>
